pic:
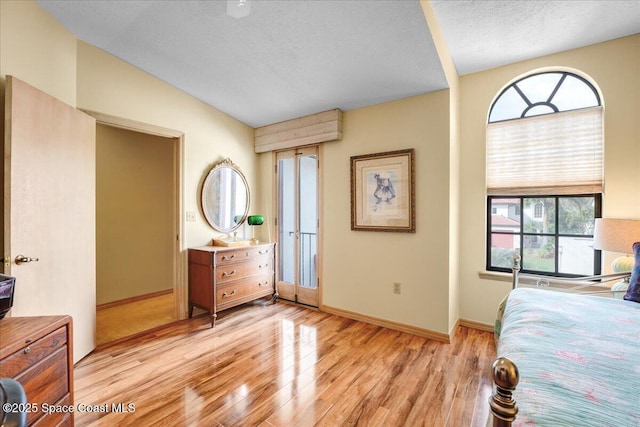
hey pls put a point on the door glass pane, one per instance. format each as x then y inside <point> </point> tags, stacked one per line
<point>286,220</point>
<point>308,167</point>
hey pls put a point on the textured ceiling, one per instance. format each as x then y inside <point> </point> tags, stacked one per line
<point>486,34</point>
<point>285,60</point>
<point>291,58</point>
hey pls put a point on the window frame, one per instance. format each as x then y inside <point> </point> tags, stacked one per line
<point>532,95</point>
<point>556,234</point>
<point>548,102</point>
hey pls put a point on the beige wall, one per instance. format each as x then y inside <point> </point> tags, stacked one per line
<point>359,267</point>
<point>37,49</point>
<point>135,214</point>
<point>454,159</point>
<point>110,86</point>
<point>615,68</point>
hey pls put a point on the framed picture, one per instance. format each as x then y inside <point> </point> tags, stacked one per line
<point>383,192</point>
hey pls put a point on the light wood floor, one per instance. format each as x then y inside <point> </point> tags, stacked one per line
<point>285,365</point>
<point>123,320</point>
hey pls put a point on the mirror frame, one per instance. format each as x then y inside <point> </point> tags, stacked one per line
<point>207,191</point>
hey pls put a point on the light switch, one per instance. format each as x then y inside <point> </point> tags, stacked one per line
<point>191,217</point>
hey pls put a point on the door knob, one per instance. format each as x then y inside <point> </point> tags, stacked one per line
<point>20,259</point>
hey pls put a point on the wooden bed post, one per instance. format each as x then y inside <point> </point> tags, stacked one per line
<point>505,378</point>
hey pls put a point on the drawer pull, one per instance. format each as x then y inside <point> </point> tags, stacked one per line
<point>263,252</point>
<point>263,266</point>
<point>227,274</point>
<point>27,350</point>
<point>263,284</point>
<point>228,258</point>
<point>225,295</point>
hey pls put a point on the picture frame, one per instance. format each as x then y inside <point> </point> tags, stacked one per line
<point>383,192</point>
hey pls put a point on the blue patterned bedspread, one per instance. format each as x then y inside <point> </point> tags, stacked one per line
<point>578,358</point>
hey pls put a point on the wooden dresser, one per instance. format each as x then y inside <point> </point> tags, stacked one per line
<point>224,277</point>
<point>38,353</point>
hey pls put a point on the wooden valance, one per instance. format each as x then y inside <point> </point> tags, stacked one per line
<point>307,130</point>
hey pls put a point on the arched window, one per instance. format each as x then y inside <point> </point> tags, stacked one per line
<point>544,93</point>
<point>545,161</point>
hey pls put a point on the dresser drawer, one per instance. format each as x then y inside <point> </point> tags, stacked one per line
<point>33,352</point>
<point>46,381</point>
<point>243,254</point>
<point>245,289</point>
<point>59,419</point>
<point>235,271</point>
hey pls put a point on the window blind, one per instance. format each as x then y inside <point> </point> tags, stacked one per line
<point>559,153</point>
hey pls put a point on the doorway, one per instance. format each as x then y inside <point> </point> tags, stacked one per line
<point>136,217</point>
<point>298,224</point>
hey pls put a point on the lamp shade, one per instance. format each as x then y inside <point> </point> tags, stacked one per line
<point>616,235</point>
<point>255,219</point>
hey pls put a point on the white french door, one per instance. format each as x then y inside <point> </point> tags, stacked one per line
<point>297,224</point>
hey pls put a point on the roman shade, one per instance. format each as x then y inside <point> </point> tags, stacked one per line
<point>558,153</point>
<point>303,131</point>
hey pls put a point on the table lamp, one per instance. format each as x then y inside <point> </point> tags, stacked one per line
<point>254,220</point>
<point>617,235</point>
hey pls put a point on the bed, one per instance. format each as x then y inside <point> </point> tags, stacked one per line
<point>566,360</point>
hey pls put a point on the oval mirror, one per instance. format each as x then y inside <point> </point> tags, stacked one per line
<point>225,197</point>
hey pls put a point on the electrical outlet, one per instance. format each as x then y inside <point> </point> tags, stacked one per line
<point>396,287</point>
<point>191,217</point>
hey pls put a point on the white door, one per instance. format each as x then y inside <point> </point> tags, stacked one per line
<point>298,225</point>
<point>49,209</point>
